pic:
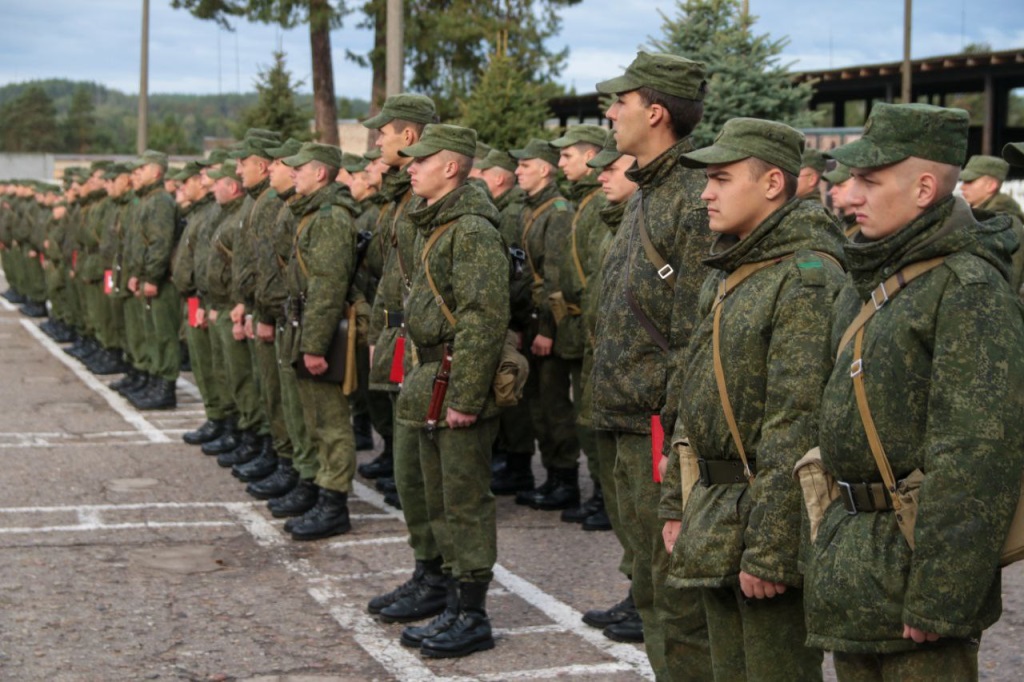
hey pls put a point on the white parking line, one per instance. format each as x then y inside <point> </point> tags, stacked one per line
<point>93,527</point>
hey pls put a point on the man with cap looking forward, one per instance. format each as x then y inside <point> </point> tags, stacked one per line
<point>839,178</point>
<point>812,167</point>
<point>981,179</point>
<point>936,376</point>
<point>652,279</point>
<point>762,351</point>
<point>457,316</point>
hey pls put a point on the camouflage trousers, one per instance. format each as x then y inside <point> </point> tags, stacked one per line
<point>235,357</point>
<point>303,455</point>
<point>161,324</point>
<point>33,280</point>
<point>675,631</point>
<point>548,393</point>
<point>328,421</point>
<point>604,442</point>
<point>759,639</point>
<point>211,381</point>
<point>135,334</point>
<point>264,357</point>
<point>945,661</point>
<point>98,312</point>
<point>457,481</point>
<point>409,479</point>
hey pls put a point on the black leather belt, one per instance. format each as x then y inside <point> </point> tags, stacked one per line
<point>864,497</point>
<point>393,318</point>
<point>723,471</point>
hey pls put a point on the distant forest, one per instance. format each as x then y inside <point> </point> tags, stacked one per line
<point>64,116</point>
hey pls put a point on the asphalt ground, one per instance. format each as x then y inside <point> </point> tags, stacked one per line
<point>127,555</point>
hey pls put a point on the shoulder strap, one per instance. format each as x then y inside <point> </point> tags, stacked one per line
<point>575,249</point>
<point>434,236</point>
<point>303,224</point>
<point>534,214</point>
<point>399,212</point>
<point>665,270</point>
<point>885,291</point>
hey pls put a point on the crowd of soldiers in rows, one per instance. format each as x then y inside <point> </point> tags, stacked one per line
<point>680,317</point>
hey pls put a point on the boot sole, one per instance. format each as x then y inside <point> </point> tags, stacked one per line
<point>436,653</point>
<point>619,638</point>
<point>410,618</point>
<point>265,496</point>
<point>320,536</point>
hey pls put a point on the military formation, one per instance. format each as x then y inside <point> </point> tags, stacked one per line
<point>801,418</point>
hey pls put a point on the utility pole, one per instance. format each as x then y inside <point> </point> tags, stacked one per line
<point>142,137</point>
<point>395,47</point>
<point>906,51</point>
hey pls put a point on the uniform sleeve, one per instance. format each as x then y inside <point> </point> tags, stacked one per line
<point>159,239</point>
<point>557,233</point>
<point>973,451</point>
<point>328,252</point>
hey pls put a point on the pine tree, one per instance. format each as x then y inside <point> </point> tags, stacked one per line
<point>170,136</point>
<point>29,123</point>
<point>80,125</point>
<point>276,108</point>
<point>745,75</point>
<point>505,108</point>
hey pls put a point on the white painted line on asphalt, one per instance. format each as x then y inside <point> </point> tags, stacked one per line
<point>394,539</point>
<point>77,509</point>
<point>527,629</point>
<point>7,305</point>
<point>29,446</point>
<point>116,402</point>
<point>189,389</point>
<point>116,526</point>
<point>585,670</point>
<point>343,577</point>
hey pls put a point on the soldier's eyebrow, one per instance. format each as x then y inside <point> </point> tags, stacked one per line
<point>716,173</point>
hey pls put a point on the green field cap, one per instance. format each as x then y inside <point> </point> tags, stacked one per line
<point>980,165</point>
<point>609,153</point>
<point>667,73</point>
<point>188,170</point>
<point>314,151</point>
<point>116,169</point>
<point>536,149</point>
<point>1014,153</point>
<point>497,159</point>
<point>255,146</point>
<point>441,136</point>
<point>217,156</point>
<point>406,107</point>
<point>102,165</point>
<point>812,158</point>
<point>481,150</point>
<point>895,132</point>
<point>290,147</point>
<point>838,175</point>
<point>589,134</point>
<point>264,134</point>
<point>373,154</point>
<point>742,138</point>
<point>151,156</point>
<point>353,163</point>
<point>227,170</point>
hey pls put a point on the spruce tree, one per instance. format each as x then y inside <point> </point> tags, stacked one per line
<point>80,126</point>
<point>276,108</point>
<point>746,77</point>
<point>29,122</point>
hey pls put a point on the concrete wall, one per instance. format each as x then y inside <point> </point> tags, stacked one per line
<point>27,166</point>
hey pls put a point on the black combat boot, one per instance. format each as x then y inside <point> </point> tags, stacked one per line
<point>211,429</point>
<point>249,446</point>
<point>11,295</point>
<point>186,360</point>
<point>414,635</point>
<point>296,501</point>
<point>587,509</point>
<point>599,520</point>
<point>383,465</point>
<point>596,618</point>
<point>630,630</point>
<point>226,441</point>
<point>393,500</point>
<point>362,428</point>
<point>161,397</point>
<point>427,597</point>
<point>386,484</point>
<point>139,389</point>
<point>112,363</point>
<point>33,309</point>
<point>329,517</point>
<point>76,349</point>
<point>515,476</point>
<point>382,601</point>
<point>63,333</point>
<point>262,466</point>
<point>48,327</point>
<point>277,484</point>
<point>130,378</point>
<point>471,630</point>
<point>565,494</point>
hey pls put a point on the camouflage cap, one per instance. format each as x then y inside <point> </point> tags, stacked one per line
<point>217,156</point>
<point>255,146</point>
<point>406,107</point>
<point>442,136</point>
<point>609,153</point>
<point>353,163</point>
<point>837,175</point>
<point>189,170</point>
<point>812,158</point>
<point>667,73</point>
<point>895,132</point>
<point>290,147</point>
<point>314,151</point>
<point>373,154</point>
<point>116,169</point>
<point>263,133</point>
<point>150,156</point>
<point>536,149</point>
<point>741,138</point>
<point>102,165</point>
<point>497,159</point>
<point>980,165</point>
<point>482,150</point>
<point>590,134</point>
<point>227,170</point>
<point>1014,153</point>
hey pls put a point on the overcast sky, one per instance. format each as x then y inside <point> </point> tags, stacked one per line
<point>99,40</point>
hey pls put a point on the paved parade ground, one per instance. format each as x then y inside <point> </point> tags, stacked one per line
<point>128,555</point>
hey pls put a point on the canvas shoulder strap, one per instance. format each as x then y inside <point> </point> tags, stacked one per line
<point>303,224</point>
<point>399,212</point>
<point>575,249</point>
<point>434,236</point>
<point>665,271</point>
<point>534,215</point>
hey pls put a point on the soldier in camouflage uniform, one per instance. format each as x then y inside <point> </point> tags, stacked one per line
<point>465,262</point>
<point>981,179</point>
<point>766,321</point>
<point>649,310</point>
<point>839,179</point>
<point>621,622</point>
<point>319,277</point>
<point>576,148</point>
<point>545,237</point>
<point>812,167</point>
<point>943,376</point>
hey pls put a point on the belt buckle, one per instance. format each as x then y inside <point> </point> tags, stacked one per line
<point>847,497</point>
<point>705,475</point>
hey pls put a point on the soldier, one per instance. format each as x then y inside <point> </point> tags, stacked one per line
<point>939,381</point>
<point>981,179</point>
<point>651,280</point>
<point>621,622</point>
<point>544,235</point>
<point>839,179</point>
<point>319,276</point>
<point>576,148</point>
<point>752,380</point>
<point>812,167</point>
<point>457,316</point>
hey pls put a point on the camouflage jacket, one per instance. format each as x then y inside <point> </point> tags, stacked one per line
<point>272,253</point>
<point>776,355</point>
<point>1002,203</point>
<point>183,270</point>
<point>394,227</point>
<point>544,235</point>
<point>372,266</point>
<point>469,265</point>
<point>219,290</point>
<point>510,207</point>
<point>96,213</point>
<point>632,374</point>
<point>261,207</point>
<point>126,204</point>
<point>321,265</point>
<point>1004,233</point>
<point>585,233</point>
<point>154,226</point>
<point>944,376</point>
